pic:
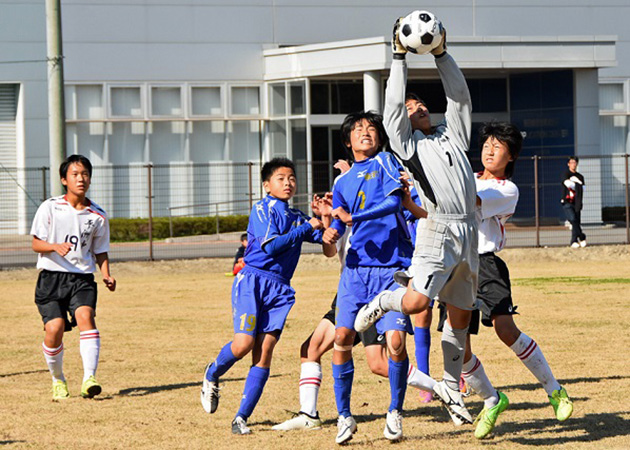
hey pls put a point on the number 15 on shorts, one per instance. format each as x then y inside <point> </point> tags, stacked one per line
<point>248,322</point>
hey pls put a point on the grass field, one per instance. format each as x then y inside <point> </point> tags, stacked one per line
<point>167,319</point>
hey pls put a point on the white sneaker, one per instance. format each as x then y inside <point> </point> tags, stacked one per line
<point>209,394</point>
<point>370,313</point>
<point>393,426</point>
<point>583,243</point>
<point>346,427</point>
<point>301,421</point>
<point>239,426</point>
<point>575,245</point>
<point>453,402</point>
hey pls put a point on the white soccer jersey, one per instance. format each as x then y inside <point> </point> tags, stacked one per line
<point>498,203</point>
<point>56,221</point>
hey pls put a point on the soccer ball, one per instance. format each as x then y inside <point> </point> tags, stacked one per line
<point>420,32</point>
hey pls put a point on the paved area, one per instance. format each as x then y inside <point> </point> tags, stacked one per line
<point>15,250</point>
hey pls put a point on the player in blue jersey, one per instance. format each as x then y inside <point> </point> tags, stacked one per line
<point>368,198</point>
<point>261,294</point>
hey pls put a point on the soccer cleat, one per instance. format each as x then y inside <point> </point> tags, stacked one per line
<point>583,243</point>
<point>239,426</point>
<point>90,387</point>
<point>370,313</point>
<point>209,393</point>
<point>425,397</point>
<point>301,421</point>
<point>393,426</point>
<point>562,404</point>
<point>575,245</point>
<point>453,402</point>
<point>60,391</point>
<point>346,427</point>
<point>488,417</point>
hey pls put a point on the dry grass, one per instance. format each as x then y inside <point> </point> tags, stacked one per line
<point>169,318</point>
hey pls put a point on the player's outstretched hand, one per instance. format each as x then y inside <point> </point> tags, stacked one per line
<point>331,236</point>
<point>110,283</point>
<point>440,49</point>
<point>324,205</point>
<point>343,215</point>
<point>397,48</point>
<point>63,249</point>
<point>406,199</point>
<point>316,223</point>
<point>315,205</point>
<point>342,165</point>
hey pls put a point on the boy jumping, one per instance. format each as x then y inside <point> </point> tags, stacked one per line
<point>445,259</point>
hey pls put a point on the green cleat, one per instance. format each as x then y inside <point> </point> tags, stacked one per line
<point>488,417</point>
<point>90,388</point>
<point>562,404</point>
<point>60,390</point>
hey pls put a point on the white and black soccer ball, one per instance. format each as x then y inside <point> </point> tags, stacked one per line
<point>420,32</point>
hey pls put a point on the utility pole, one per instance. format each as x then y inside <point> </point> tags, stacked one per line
<point>56,104</point>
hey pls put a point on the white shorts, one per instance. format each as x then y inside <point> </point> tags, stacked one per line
<point>445,260</point>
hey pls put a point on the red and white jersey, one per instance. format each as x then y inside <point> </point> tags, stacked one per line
<point>56,221</point>
<point>498,202</point>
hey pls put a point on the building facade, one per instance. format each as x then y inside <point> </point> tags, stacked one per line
<point>208,82</point>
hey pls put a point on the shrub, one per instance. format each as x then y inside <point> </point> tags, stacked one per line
<point>129,230</point>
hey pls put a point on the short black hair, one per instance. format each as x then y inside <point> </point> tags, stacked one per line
<point>414,96</point>
<point>270,167</point>
<point>574,158</point>
<point>243,237</point>
<point>507,133</point>
<point>352,119</point>
<point>74,159</point>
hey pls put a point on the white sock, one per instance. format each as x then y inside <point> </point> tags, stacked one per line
<point>420,380</point>
<point>528,351</point>
<point>475,375</point>
<point>453,343</point>
<point>54,359</point>
<point>393,301</point>
<point>89,346</point>
<point>310,381</point>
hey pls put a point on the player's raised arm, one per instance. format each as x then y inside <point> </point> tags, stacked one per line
<point>395,119</point>
<point>458,116</point>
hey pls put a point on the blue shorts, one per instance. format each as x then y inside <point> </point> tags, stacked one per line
<point>260,302</point>
<point>359,285</point>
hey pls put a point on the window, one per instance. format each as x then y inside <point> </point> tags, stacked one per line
<point>611,97</point>
<point>206,101</point>
<point>166,101</point>
<point>245,101</point>
<point>126,101</point>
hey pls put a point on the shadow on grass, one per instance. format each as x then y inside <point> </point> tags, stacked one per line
<point>590,428</point>
<point>28,372</point>
<point>11,441</point>
<point>147,390</point>
<point>563,382</point>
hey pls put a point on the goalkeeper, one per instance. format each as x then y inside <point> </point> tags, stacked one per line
<point>445,260</point>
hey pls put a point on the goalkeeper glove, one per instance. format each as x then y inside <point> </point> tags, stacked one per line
<point>441,48</point>
<point>397,48</point>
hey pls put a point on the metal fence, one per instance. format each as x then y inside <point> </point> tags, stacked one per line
<point>218,190</point>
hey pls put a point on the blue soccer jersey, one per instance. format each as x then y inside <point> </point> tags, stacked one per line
<point>271,219</point>
<point>381,242</point>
